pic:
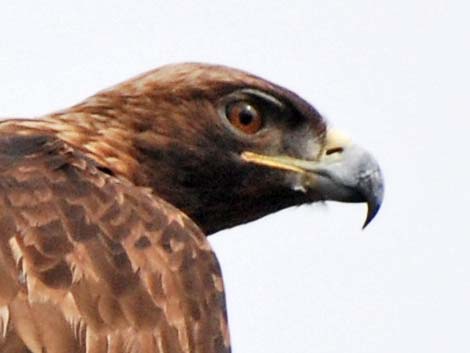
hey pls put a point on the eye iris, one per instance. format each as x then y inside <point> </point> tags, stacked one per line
<point>245,117</point>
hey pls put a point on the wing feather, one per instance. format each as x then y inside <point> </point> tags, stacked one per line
<point>91,263</point>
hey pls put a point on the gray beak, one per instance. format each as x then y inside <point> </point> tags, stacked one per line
<point>344,172</point>
<point>350,174</point>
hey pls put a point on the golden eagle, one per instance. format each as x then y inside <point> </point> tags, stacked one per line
<point>105,206</point>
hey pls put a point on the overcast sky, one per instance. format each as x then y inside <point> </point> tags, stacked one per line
<point>395,75</point>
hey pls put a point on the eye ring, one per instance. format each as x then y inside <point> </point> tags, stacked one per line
<point>245,117</point>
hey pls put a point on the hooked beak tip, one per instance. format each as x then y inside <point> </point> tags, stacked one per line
<point>372,210</point>
<point>373,192</point>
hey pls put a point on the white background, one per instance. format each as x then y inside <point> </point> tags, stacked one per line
<point>394,74</point>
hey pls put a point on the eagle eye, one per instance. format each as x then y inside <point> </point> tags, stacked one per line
<point>245,117</point>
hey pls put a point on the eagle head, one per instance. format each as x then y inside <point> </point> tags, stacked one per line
<point>224,146</point>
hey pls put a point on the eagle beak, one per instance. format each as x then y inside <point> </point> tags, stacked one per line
<point>344,172</point>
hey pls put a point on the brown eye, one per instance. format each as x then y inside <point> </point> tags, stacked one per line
<point>245,117</point>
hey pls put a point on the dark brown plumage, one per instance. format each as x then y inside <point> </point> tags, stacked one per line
<point>104,206</point>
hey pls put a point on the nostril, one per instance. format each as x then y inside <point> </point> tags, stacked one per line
<point>334,150</point>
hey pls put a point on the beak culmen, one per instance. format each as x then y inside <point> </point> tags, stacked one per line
<point>344,172</point>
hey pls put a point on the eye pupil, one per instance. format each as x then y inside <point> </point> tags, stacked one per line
<point>246,116</point>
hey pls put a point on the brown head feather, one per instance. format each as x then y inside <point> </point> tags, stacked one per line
<point>163,130</point>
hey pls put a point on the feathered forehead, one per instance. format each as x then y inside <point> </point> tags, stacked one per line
<point>191,77</point>
<point>196,79</point>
